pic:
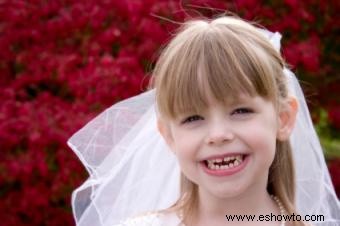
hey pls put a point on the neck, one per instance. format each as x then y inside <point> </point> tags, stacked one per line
<point>253,202</point>
<point>243,204</point>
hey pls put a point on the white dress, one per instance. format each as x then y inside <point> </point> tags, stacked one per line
<point>153,219</point>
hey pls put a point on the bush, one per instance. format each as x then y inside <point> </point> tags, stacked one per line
<point>62,62</point>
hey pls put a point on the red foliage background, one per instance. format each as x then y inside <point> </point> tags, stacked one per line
<point>64,61</point>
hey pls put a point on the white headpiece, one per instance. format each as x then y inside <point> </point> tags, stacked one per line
<point>133,171</point>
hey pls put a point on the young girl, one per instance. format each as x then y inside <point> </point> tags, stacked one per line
<point>210,142</point>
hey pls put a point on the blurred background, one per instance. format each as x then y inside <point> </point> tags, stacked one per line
<point>63,61</point>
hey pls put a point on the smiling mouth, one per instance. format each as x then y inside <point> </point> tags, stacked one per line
<point>224,163</point>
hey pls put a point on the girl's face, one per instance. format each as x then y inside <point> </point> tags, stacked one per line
<point>226,150</point>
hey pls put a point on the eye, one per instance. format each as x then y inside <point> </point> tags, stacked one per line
<point>242,111</point>
<point>192,119</point>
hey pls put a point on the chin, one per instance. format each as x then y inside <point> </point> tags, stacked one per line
<point>228,191</point>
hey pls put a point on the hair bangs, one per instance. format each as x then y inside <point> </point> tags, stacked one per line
<point>217,61</point>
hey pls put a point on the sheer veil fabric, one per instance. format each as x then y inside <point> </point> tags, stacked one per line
<point>132,171</point>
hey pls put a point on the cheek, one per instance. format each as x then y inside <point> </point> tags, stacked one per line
<point>186,145</point>
<point>268,148</point>
<point>263,135</point>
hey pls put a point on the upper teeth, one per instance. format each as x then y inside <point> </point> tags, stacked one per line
<point>233,161</point>
<point>226,159</point>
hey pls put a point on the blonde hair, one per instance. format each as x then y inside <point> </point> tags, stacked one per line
<point>226,56</point>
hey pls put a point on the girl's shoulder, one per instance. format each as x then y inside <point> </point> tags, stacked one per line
<point>152,219</point>
<point>148,219</point>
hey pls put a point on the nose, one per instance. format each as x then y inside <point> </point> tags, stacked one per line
<point>219,134</point>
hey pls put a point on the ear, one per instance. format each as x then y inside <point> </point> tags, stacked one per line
<point>165,131</point>
<point>287,116</point>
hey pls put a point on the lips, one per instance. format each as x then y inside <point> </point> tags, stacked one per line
<point>225,165</point>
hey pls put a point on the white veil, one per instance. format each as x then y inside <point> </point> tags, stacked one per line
<point>132,170</point>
